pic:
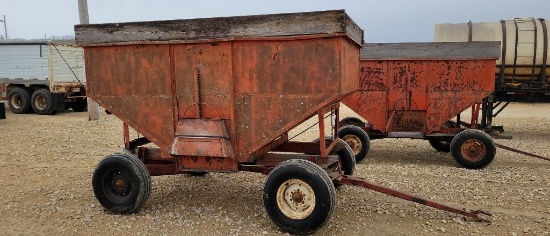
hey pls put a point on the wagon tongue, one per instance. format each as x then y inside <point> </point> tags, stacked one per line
<point>356,181</point>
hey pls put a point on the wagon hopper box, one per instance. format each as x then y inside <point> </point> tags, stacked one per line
<point>220,94</point>
<point>413,90</point>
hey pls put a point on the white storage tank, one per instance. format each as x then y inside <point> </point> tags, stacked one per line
<point>524,44</point>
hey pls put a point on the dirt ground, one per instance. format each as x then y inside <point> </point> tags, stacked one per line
<point>46,163</point>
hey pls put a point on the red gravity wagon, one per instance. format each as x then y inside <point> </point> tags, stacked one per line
<point>220,95</point>
<point>414,90</point>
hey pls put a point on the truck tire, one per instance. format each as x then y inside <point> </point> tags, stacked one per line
<point>42,102</point>
<point>19,101</point>
<point>79,105</point>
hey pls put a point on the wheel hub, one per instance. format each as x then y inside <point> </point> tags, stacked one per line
<point>296,199</point>
<point>16,101</point>
<point>473,150</point>
<point>354,142</point>
<point>119,185</point>
<point>40,102</point>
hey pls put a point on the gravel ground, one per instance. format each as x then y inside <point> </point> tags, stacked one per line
<point>46,163</point>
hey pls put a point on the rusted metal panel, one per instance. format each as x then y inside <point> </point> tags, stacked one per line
<point>203,80</point>
<point>134,83</point>
<point>349,67</point>
<point>433,90</point>
<point>201,128</point>
<point>373,75</point>
<point>407,121</point>
<point>218,164</point>
<point>444,105</point>
<point>221,28</point>
<point>259,82</point>
<point>407,85</point>
<point>460,75</point>
<point>203,147</point>
<point>276,91</point>
<point>371,105</point>
<point>203,138</point>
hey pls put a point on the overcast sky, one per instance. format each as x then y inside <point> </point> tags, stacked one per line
<point>383,21</point>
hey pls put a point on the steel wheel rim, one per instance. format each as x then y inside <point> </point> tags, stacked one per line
<point>117,186</point>
<point>473,150</point>
<point>40,102</point>
<point>296,199</point>
<point>16,101</point>
<point>354,142</point>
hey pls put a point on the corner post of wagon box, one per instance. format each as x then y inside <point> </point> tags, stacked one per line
<point>93,107</point>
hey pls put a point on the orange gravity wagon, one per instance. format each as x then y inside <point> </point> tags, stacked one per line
<point>413,90</point>
<point>220,95</point>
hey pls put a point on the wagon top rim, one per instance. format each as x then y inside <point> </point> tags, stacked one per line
<point>320,23</point>
<point>431,51</point>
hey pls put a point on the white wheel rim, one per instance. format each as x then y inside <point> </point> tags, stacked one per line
<point>295,199</point>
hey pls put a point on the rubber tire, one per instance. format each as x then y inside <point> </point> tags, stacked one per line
<point>346,156</point>
<point>352,121</point>
<point>25,99</point>
<point>48,98</point>
<point>478,136</point>
<point>440,145</point>
<point>317,179</point>
<point>361,135</point>
<point>137,177</point>
<point>80,105</point>
<point>347,160</point>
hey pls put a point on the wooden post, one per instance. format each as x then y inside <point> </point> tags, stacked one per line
<point>93,107</point>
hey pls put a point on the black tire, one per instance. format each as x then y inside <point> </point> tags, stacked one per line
<point>121,183</point>
<point>19,101</point>
<point>473,149</point>
<point>357,139</point>
<point>347,158</point>
<point>42,102</point>
<point>440,145</point>
<point>287,198</point>
<point>79,105</point>
<point>352,121</point>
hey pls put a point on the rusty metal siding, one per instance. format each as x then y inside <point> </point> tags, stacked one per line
<point>260,86</point>
<point>207,66</point>
<point>412,95</point>
<point>279,84</point>
<point>134,82</point>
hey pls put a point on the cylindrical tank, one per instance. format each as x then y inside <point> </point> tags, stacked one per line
<point>524,44</point>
